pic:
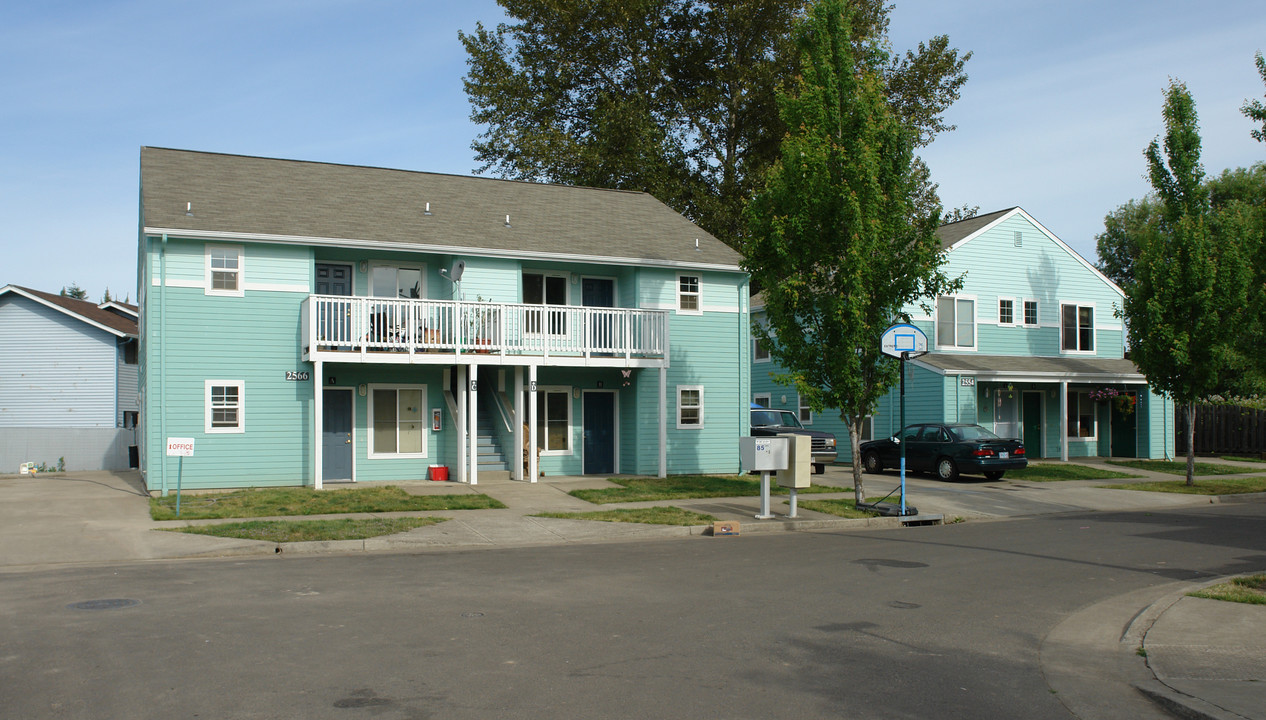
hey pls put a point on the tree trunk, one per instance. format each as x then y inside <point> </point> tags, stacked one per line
<point>854,441</point>
<point>1191,443</point>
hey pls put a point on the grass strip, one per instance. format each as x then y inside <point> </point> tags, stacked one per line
<point>683,487</point>
<point>1054,472</point>
<point>303,530</point>
<point>1243,459</point>
<point>1219,486</point>
<point>274,502</point>
<point>1249,589</point>
<point>662,515</point>
<point>842,507</point>
<point>1179,467</point>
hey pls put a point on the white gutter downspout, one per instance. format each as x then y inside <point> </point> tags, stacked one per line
<point>1063,420</point>
<point>162,360</point>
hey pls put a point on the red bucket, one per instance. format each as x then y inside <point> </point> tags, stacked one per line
<point>439,473</point>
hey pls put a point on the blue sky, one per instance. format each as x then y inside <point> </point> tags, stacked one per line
<point>1063,97</point>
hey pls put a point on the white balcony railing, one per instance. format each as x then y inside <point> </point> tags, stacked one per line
<point>367,324</point>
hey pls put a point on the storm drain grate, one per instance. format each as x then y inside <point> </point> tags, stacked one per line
<point>111,604</point>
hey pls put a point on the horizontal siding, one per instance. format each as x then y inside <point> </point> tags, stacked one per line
<point>129,380</point>
<point>55,371</point>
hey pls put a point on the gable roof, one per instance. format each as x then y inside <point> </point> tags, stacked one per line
<point>957,234</point>
<point>235,197</point>
<point>83,310</point>
<point>121,308</point>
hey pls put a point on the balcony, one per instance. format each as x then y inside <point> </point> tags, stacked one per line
<point>381,330</point>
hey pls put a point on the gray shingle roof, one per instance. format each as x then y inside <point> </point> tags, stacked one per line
<point>252,196</point>
<point>1072,368</point>
<point>951,233</point>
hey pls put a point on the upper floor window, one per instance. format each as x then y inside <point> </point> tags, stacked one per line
<point>1077,328</point>
<point>688,295</point>
<point>390,281</point>
<point>542,289</point>
<point>1030,313</point>
<point>224,270</point>
<point>956,322</point>
<point>1006,311</point>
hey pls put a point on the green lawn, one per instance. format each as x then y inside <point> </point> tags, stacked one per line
<point>1215,486</point>
<point>661,515</point>
<point>1179,467</point>
<point>272,502</point>
<point>300,530</point>
<point>682,487</point>
<point>1250,589</point>
<point>1049,472</point>
<point>846,508</point>
<point>1243,459</point>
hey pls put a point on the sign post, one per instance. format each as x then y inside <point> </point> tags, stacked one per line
<point>181,448</point>
<point>903,341</point>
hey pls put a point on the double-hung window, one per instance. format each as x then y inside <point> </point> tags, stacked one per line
<point>1006,311</point>
<point>956,322</point>
<point>1030,313</point>
<point>1077,328</point>
<point>545,289</point>
<point>396,413</point>
<point>689,294</point>
<point>225,406</point>
<point>1081,415</point>
<point>224,270</point>
<point>689,407</point>
<point>806,412</point>
<point>553,420</point>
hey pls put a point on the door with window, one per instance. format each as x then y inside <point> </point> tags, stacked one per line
<point>545,289</point>
<point>603,330</point>
<point>599,432</point>
<point>336,434</point>
<point>334,318</point>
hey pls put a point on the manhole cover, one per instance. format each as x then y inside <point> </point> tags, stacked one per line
<point>111,604</point>
<point>472,614</point>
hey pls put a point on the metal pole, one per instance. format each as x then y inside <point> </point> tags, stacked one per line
<point>180,472</point>
<point>792,492</point>
<point>764,497</point>
<point>902,444</point>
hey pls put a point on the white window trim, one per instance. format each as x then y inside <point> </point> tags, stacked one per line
<point>1037,311</point>
<point>1094,414</point>
<point>241,270</point>
<point>1094,328</point>
<point>936,323</point>
<point>868,428</point>
<point>800,408</point>
<point>1016,306</point>
<point>755,357</point>
<point>424,420</point>
<point>698,295</point>
<point>767,397</point>
<point>369,279</point>
<point>241,407</point>
<point>543,406</point>
<point>680,425</point>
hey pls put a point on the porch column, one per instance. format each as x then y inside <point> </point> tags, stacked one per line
<point>461,424</point>
<point>318,422</point>
<point>519,453</point>
<point>1063,420</point>
<point>472,412</point>
<point>663,421</point>
<point>534,471</point>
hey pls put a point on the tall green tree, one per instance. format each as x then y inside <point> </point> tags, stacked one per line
<point>1254,109</point>
<point>1184,303</point>
<point>74,291</point>
<point>672,97</point>
<point>837,237</point>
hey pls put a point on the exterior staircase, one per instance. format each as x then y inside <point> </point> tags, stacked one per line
<point>493,462</point>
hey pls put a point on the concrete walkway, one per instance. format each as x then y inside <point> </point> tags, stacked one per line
<point>1204,658</point>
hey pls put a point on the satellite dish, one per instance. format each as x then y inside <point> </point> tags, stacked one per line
<point>459,267</point>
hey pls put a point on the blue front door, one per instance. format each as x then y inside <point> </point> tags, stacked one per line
<point>599,433</point>
<point>336,435</point>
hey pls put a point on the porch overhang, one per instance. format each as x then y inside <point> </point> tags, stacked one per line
<point>1025,368</point>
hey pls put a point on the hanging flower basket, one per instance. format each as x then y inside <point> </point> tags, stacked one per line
<point>1124,403</point>
<point>1103,395</point>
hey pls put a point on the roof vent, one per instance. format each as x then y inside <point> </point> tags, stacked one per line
<point>189,209</point>
<point>1018,239</point>
<point>427,210</point>
<point>507,221</point>
<point>696,243</point>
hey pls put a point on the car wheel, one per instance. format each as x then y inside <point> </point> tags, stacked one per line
<point>870,461</point>
<point>946,469</point>
<point>994,474</point>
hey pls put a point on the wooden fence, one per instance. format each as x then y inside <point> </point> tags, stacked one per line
<point>1223,430</point>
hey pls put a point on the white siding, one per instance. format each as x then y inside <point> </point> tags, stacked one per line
<point>55,371</point>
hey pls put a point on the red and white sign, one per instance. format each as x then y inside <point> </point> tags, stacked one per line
<point>182,447</point>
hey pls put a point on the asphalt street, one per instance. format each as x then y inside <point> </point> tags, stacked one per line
<point>943,621</point>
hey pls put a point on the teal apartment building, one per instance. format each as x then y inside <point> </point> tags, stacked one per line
<point>1030,347</point>
<point>306,323</point>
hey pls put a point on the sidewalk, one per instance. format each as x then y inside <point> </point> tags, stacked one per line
<point>1205,658</point>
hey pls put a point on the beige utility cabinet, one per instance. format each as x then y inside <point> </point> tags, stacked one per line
<point>799,467</point>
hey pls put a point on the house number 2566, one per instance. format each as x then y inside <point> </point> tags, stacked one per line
<point>299,375</point>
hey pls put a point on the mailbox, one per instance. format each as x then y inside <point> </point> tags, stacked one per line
<point>799,467</point>
<point>763,454</point>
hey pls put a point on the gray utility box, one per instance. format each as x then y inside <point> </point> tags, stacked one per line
<point>764,454</point>
<point>799,467</point>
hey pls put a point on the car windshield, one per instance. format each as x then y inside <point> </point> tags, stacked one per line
<point>970,433</point>
<point>774,418</point>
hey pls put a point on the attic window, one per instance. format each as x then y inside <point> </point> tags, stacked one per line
<point>1018,239</point>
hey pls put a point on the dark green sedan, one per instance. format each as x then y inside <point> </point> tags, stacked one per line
<point>946,450</point>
